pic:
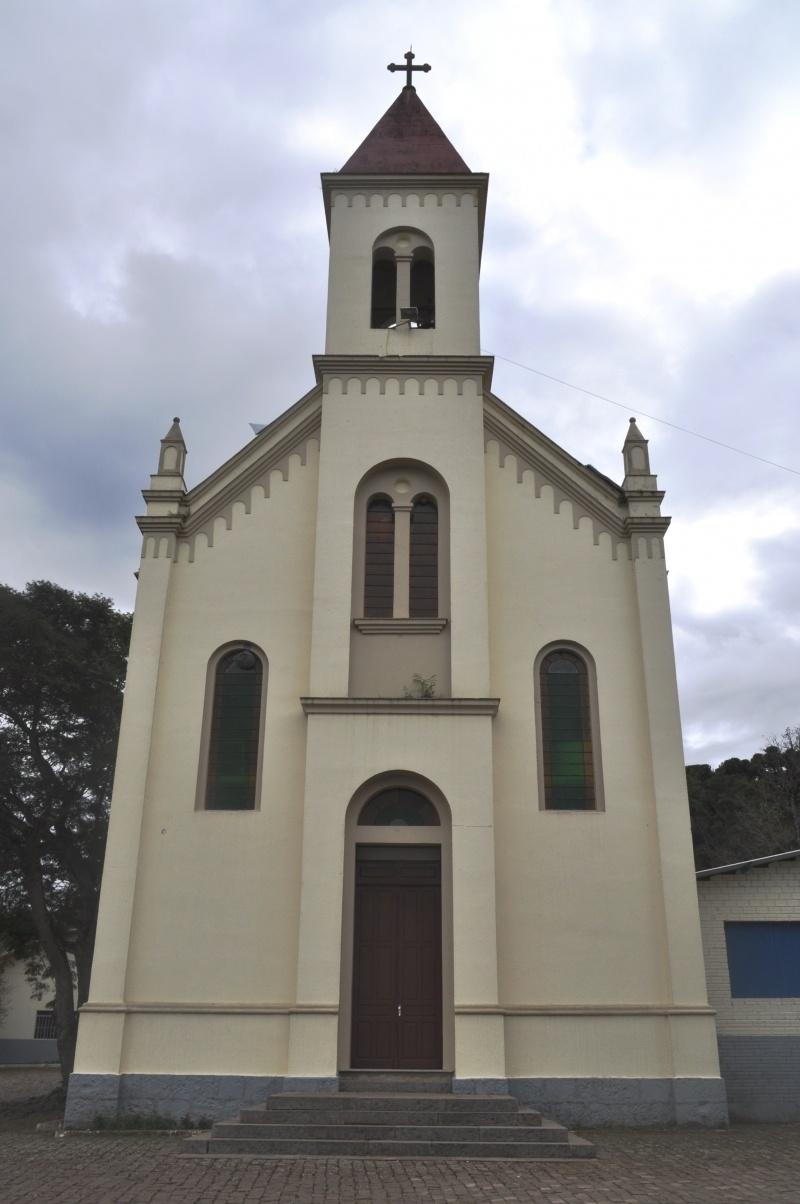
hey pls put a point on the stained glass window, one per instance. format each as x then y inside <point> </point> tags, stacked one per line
<point>566,733</point>
<point>423,584</point>
<point>379,560</point>
<point>233,740</point>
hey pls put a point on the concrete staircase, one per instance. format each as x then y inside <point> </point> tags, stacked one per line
<point>392,1115</point>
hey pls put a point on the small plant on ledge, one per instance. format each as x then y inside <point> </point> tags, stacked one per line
<point>421,687</point>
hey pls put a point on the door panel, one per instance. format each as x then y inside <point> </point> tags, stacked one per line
<point>397,960</point>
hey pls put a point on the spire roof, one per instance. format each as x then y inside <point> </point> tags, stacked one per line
<point>406,141</point>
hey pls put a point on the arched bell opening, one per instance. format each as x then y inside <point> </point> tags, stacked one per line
<point>396,1009</point>
<point>403,285</point>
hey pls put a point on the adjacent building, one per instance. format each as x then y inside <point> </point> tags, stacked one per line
<point>750,916</point>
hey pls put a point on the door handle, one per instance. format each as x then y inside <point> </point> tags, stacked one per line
<point>399,1009</point>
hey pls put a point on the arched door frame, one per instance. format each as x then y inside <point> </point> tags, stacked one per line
<point>431,835</point>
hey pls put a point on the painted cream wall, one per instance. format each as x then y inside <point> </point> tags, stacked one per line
<point>365,422</point>
<point>214,914</point>
<point>360,212</point>
<point>582,923</point>
<point>455,753</point>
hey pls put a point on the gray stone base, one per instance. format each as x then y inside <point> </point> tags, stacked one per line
<point>629,1102</point>
<point>762,1076</point>
<point>480,1086</point>
<point>27,1051</point>
<point>202,1098</point>
<point>199,1098</point>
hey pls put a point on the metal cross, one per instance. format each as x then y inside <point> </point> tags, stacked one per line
<point>409,57</point>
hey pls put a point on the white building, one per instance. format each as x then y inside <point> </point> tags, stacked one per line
<point>27,1024</point>
<point>400,779</point>
<point>750,916</point>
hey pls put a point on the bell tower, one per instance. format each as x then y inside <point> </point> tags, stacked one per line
<point>405,219</point>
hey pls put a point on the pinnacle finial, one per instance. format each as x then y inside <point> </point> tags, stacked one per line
<point>172,457</point>
<point>634,453</point>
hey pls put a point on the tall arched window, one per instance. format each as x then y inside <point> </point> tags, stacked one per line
<point>384,288</point>
<point>423,584</point>
<point>234,736</point>
<point>379,559</point>
<point>568,760</point>
<point>423,294</point>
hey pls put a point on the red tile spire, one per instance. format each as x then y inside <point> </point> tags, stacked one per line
<point>406,141</point>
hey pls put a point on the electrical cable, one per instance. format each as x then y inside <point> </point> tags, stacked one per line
<point>653,418</point>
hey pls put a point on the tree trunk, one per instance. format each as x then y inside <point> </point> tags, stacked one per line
<point>57,960</point>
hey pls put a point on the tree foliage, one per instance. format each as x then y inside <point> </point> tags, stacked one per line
<point>62,669</point>
<point>747,808</point>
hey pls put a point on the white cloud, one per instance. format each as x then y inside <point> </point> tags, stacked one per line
<point>164,251</point>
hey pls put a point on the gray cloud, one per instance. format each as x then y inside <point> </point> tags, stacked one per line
<point>164,252</point>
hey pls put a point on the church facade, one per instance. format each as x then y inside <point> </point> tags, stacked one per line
<point>400,778</point>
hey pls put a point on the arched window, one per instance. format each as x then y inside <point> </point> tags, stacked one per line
<point>384,288</point>
<point>403,277</point>
<point>233,742</point>
<point>399,807</point>
<point>423,584</point>
<point>568,760</point>
<point>379,559</point>
<point>423,294</point>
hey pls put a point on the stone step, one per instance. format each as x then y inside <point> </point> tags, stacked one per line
<point>381,1081</point>
<point>384,1116</point>
<point>234,1130</point>
<point>575,1147</point>
<point>393,1124</point>
<point>432,1102</point>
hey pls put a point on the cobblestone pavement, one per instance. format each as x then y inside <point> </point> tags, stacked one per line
<point>752,1164</point>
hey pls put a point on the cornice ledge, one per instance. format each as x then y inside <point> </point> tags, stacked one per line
<point>400,706</point>
<point>337,179</point>
<point>646,531</point>
<point>159,524</point>
<point>587,1009</point>
<point>406,365</point>
<point>400,626</point>
<point>214,1009</point>
<point>178,496</point>
<point>647,524</point>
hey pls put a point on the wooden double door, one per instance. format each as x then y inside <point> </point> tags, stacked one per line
<point>397,958</point>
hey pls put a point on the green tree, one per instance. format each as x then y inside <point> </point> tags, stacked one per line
<point>62,669</point>
<point>747,808</point>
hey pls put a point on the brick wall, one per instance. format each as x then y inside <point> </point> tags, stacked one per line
<point>759,1039</point>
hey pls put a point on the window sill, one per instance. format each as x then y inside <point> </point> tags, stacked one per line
<point>392,626</point>
<point>400,706</point>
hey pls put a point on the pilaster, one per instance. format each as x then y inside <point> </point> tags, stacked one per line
<point>685,960</point>
<point>100,1037</point>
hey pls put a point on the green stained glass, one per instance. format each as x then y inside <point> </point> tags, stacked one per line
<point>233,744</point>
<point>566,733</point>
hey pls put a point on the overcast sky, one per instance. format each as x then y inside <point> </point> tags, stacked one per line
<point>164,252</point>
